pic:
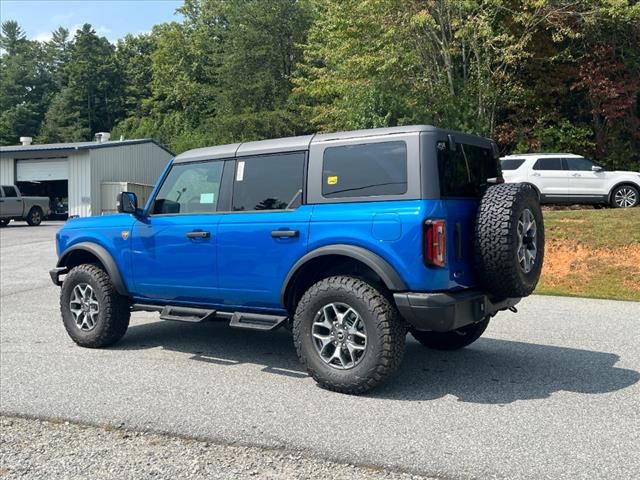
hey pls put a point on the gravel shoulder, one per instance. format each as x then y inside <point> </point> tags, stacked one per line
<point>37,449</point>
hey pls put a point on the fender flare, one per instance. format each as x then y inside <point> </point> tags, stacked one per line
<point>375,262</point>
<point>619,184</point>
<point>105,258</point>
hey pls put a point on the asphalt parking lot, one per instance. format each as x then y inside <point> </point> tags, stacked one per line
<point>552,392</point>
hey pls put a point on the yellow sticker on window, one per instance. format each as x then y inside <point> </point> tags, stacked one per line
<point>332,180</point>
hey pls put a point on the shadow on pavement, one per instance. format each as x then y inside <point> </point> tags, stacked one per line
<point>491,371</point>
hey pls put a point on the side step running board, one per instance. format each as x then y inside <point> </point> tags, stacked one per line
<point>256,321</point>
<point>250,321</point>
<point>185,314</point>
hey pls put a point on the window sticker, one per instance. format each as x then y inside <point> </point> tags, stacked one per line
<point>240,172</point>
<point>333,180</point>
<point>207,197</point>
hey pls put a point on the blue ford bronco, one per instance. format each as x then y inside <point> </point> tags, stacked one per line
<point>349,239</point>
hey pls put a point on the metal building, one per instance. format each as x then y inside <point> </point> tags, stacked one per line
<point>75,174</point>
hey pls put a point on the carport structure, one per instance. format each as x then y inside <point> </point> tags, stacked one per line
<point>74,173</point>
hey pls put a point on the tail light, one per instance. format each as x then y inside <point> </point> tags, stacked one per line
<point>435,243</point>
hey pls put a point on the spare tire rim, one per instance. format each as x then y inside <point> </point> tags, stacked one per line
<point>527,241</point>
<point>625,197</point>
<point>339,335</point>
<point>84,307</point>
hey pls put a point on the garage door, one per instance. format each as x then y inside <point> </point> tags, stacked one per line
<point>42,169</point>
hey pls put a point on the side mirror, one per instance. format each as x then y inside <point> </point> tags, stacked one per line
<point>596,168</point>
<point>127,202</point>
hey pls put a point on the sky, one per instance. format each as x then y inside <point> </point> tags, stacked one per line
<point>110,18</point>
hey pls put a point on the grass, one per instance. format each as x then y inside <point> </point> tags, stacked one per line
<point>592,253</point>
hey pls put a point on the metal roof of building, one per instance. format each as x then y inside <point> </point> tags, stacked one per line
<point>71,146</point>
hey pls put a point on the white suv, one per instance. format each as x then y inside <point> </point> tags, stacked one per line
<point>569,178</point>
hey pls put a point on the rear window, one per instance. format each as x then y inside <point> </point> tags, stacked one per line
<point>511,163</point>
<point>365,170</point>
<point>464,173</point>
<point>10,191</point>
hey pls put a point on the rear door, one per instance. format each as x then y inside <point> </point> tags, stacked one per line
<point>464,176</point>
<point>550,178</point>
<point>266,232</point>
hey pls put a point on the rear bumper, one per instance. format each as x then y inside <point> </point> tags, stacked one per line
<point>443,312</point>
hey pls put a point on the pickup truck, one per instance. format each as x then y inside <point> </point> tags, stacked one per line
<point>14,206</point>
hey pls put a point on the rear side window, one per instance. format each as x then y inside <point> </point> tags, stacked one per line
<point>365,170</point>
<point>465,172</point>
<point>548,164</point>
<point>511,163</point>
<point>10,191</point>
<point>268,182</point>
<point>190,188</point>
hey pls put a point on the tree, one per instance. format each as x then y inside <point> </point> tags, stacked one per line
<point>134,62</point>
<point>24,83</point>
<point>92,93</point>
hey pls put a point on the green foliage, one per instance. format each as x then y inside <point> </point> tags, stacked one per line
<point>534,74</point>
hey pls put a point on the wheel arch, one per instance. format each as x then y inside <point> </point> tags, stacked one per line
<point>87,252</point>
<point>313,267</point>
<point>619,184</point>
<point>535,189</point>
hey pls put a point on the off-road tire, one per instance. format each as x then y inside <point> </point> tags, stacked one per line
<point>496,240</point>
<point>385,334</point>
<point>34,218</point>
<point>629,188</point>
<point>113,318</point>
<point>453,340</point>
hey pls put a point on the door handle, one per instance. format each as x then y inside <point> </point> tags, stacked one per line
<point>536,174</point>
<point>576,175</point>
<point>198,234</point>
<point>285,233</point>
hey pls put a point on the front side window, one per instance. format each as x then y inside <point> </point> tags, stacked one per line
<point>466,172</point>
<point>190,188</point>
<point>579,164</point>
<point>268,182</point>
<point>365,170</point>
<point>548,164</point>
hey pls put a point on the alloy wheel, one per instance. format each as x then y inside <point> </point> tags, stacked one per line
<point>625,197</point>
<point>527,240</point>
<point>339,335</point>
<point>84,307</point>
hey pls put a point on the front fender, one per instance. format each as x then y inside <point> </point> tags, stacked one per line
<point>103,256</point>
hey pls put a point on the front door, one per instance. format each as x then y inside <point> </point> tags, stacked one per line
<point>266,232</point>
<point>174,245</point>
<point>583,180</point>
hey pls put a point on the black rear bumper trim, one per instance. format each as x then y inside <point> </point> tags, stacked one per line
<point>443,312</point>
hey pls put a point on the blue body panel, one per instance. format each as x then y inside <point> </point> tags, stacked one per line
<point>241,266</point>
<point>394,231</point>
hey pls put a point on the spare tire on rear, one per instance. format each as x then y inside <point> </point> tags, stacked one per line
<point>509,240</point>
